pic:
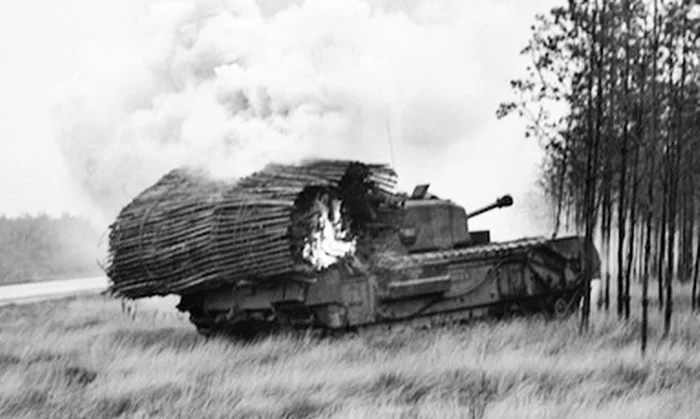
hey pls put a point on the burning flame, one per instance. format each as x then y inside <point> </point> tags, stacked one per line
<point>329,241</point>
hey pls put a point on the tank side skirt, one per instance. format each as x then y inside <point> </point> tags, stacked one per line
<point>521,263</point>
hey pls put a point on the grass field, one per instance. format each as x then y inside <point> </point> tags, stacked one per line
<point>85,358</point>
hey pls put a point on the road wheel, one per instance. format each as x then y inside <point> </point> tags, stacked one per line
<point>565,307</point>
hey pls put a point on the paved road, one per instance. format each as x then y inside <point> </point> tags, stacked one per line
<point>39,291</point>
<point>51,290</point>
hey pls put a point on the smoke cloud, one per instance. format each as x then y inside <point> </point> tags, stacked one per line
<point>233,85</point>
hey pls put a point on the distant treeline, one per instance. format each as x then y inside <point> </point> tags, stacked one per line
<point>35,248</point>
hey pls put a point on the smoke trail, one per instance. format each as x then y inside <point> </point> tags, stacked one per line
<point>233,85</point>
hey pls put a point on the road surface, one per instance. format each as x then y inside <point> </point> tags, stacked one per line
<point>51,290</point>
<point>47,290</point>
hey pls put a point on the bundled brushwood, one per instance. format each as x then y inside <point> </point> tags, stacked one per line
<point>188,232</point>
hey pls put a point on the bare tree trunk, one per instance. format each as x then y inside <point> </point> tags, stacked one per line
<point>647,255</point>
<point>662,242</point>
<point>694,291</point>
<point>639,131</point>
<point>621,202</point>
<point>686,252</point>
<point>630,253</point>
<point>607,206</point>
<point>671,245</point>
<point>672,169</point>
<point>605,232</point>
<point>691,210</point>
<point>640,248</point>
<point>621,226</point>
<point>591,162</point>
<point>651,157</point>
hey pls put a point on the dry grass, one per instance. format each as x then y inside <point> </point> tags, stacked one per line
<point>84,358</point>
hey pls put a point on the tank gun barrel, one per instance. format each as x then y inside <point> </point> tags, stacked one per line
<point>504,201</point>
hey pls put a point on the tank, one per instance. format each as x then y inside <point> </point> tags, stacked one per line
<point>413,258</point>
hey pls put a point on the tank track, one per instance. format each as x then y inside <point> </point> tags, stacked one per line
<point>564,304</point>
<point>564,307</point>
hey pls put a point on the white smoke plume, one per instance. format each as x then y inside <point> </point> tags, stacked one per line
<point>233,85</point>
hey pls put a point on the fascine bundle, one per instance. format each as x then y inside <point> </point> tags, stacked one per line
<point>189,232</point>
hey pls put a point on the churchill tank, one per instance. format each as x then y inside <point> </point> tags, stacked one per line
<point>332,245</point>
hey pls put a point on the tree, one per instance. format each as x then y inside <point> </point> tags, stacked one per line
<point>628,71</point>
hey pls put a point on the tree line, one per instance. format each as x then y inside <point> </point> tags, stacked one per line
<point>34,248</point>
<point>612,91</point>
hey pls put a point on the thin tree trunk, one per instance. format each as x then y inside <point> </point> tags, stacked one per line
<point>651,157</point>
<point>662,241</point>
<point>591,169</point>
<point>686,252</point>
<point>621,204</point>
<point>694,291</point>
<point>608,184</point>
<point>647,255</point>
<point>605,233</point>
<point>639,130</point>
<point>630,253</point>
<point>672,169</point>
<point>671,245</point>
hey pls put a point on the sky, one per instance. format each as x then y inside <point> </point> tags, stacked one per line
<point>42,44</point>
<point>100,98</point>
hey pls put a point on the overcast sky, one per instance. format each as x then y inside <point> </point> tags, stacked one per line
<point>45,45</point>
<point>42,43</point>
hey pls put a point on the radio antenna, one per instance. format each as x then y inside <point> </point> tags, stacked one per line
<point>391,143</point>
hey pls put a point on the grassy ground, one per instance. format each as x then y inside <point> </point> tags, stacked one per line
<point>84,358</point>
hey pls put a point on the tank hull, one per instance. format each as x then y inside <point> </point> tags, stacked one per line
<point>524,276</point>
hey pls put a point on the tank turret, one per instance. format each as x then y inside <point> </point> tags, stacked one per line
<point>430,223</point>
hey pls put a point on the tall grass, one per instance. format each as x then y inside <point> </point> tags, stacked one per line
<point>84,358</point>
